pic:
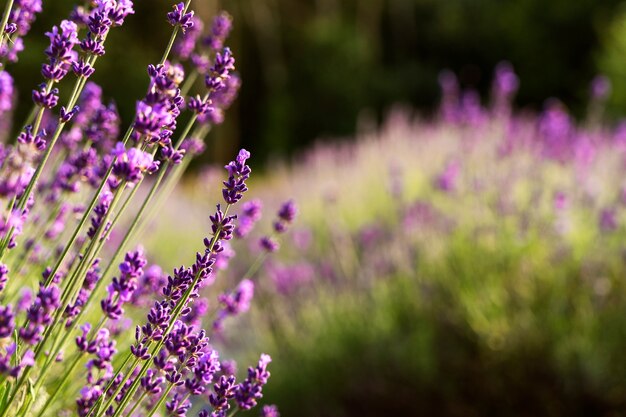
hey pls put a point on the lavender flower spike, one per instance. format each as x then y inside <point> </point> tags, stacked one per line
<point>238,173</point>
<point>178,17</point>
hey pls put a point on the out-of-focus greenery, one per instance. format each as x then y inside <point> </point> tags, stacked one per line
<point>500,295</point>
<point>310,67</point>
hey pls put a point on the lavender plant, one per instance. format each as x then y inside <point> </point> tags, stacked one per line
<point>70,284</point>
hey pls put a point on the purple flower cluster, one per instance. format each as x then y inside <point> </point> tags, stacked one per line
<point>70,156</point>
<point>156,114</point>
<point>89,283</point>
<point>21,18</point>
<point>60,53</point>
<point>40,314</point>
<point>130,166</point>
<point>236,303</point>
<point>250,390</point>
<point>238,173</point>
<point>250,214</point>
<point>178,17</point>
<point>121,289</point>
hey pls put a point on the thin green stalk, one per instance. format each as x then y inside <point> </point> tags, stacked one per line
<point>57,133</point>
<point>161,401</point>
<point>170,44</point>
<point>96,244</point>
<point>137,403</point>
<point>5,20</point>
<point>184,89</point>
<point>85,217</point>
<point>174,317</point>
<point>61,384</point>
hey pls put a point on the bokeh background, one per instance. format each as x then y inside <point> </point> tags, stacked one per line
<point>465,266</point>
<point>312,67</point>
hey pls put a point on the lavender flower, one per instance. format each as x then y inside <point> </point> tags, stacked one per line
<point>178,17</point>
<point>121,290</point>
<point>7,321</point>
<point>269,411</point>
<point>235,303</point>
<point>286,215</point>
<point>250,390</point>
<point>4,276</point>
<point>130,165</point>
<point>222,25</point>
<point>250,214</point>
<point>6,92</point>
<point>238,173</point>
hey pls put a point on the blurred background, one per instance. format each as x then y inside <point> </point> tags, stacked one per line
<point>455,254</point>
<point>311,67</point>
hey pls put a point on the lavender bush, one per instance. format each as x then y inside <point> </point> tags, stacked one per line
<point>88,326</point>
<point>451,266</point>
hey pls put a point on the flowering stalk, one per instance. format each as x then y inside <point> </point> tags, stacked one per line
<point>126,138</point>
<point>5,20</point>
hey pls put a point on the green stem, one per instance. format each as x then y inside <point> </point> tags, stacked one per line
<point>137,403</point>
<point>68,373</point>
<point>5,20</point>
<point>161,401</point>
<point>83,220</point>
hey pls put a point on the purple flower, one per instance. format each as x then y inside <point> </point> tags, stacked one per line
<point>150,119</point>
<point>223,65</point>
<point>121,289</point>
<point>250,390</point>
<point>250,214</point>
<point>608,220</point>
<point>269,244</point>
<point>238,173</point>
<point>7,92</point>
<point>186,45</point>
<point>60,52</point>
<point>4,276</point>
<point>20,19</point>
<point>89,283</point>
<point>600,87</point>
<point>222,227</point>
<point>286,215</point>
<point>130,165</point>
<point>7,321</point>
<point>46,99</point>
<point>40,313</point>
<point>447,180</point>
<point>222,24</point>
<point>100,212</point>
<point>235,303</point>
<point>152,383</point>
<point>178,17</point>
<point>269,411</point>
<point>223,390</point>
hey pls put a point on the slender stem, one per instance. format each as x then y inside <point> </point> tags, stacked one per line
<point>5,20</point>
<point>174,317</point>
<point>96,244</point>
<point>161,401</point>
<point>83,220</point>
<point>170,44</point>
<point>184,89</point>
<point>68,373</point>
<point>137,403</point>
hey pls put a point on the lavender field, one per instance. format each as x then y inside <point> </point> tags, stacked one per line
<point>466,264</point>
<point>462,261</point>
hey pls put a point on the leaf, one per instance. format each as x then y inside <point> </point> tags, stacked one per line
<point>5,389</point>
